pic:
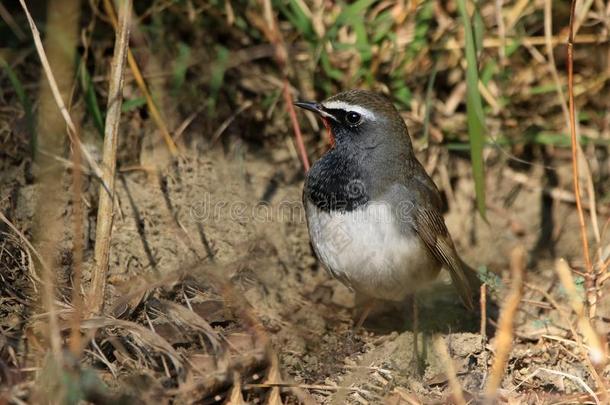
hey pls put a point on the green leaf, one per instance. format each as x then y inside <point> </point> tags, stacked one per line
<point>478,27</point>
<point>362,41</point>
<point>403,95</point>
<point>181,67</point>
<point>328,68</point>
<point>352,11</point>
<point>132,104</point>
<point>474,110</point>
<point>383,25</point>
<point>218,74</point>
<point>91,103</point>
<point>423,20</point>
<point>298,19</point>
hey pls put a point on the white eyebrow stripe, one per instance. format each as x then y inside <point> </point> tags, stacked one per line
<point>341,105</point>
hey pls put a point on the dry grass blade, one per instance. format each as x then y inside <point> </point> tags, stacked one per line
<point>133,66</point>
<point>504,339</point>
<point>72,133</point>
<point>596,353</point>
<point>142,336</point>
<point>183,316</point>
<point>236,398</point>
<point>274,377</point>
<point>106,203</point>
<point>454,384</point>
<point>27,243</point>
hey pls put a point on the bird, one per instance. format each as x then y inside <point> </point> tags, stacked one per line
<point>373,214</point>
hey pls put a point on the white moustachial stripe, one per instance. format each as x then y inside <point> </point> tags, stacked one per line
<point>341,105</point>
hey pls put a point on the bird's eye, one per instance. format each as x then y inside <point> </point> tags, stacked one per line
<point>353,118</point>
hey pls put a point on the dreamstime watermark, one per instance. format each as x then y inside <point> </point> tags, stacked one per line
<point>242,211</point>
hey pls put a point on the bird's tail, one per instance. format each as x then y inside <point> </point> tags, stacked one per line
<point>467,284</point>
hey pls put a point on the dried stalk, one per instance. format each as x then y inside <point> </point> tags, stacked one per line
<point>77,247</point>
<point>454,384</point>
<point>133,66</point>
<point>576,179</point>
<point>504,339</point>
<point>111,133</point>
<point>72,133</point>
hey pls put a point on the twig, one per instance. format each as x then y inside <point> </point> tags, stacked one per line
<point>133,66</point>
<point>581,216</point>
<point>229,120</point>
<point>504,339</point>
<point>10,21</point>
<point>295,125</point>
<point>483,302</point>
<point>307,387</point>
<point>72,133</point>
<point>454,384</point>
<point>105,210</point>
<point>492,42</point>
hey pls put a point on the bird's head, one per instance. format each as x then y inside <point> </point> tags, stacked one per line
<point>361,118</point>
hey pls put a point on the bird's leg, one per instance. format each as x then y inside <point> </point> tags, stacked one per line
<point>415,323</point>
<point>366,304</point>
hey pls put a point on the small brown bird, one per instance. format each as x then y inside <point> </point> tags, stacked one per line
<point>373,213</point>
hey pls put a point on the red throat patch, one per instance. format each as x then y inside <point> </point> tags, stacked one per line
<point>329,133</point>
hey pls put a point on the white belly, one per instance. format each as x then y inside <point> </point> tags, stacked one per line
<point>365,250</point>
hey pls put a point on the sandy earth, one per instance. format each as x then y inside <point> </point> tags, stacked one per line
<point>210,257</point>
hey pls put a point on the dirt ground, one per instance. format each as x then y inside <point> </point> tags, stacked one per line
<point>214,291</point>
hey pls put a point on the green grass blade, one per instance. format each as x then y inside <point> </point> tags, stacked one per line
<point>474,109</point>
<point>298,19</point>
<point>218,74</point>
<point>93,106</point>
<point>132,104</point>
<point>352,11</point>
<point>477,28</point>
<point>181,66</point>
<point>362,41</point>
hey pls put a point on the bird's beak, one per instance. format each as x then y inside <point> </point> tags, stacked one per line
<point>315,107</point>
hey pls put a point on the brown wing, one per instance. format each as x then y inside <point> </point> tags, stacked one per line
<point>431,227</point>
